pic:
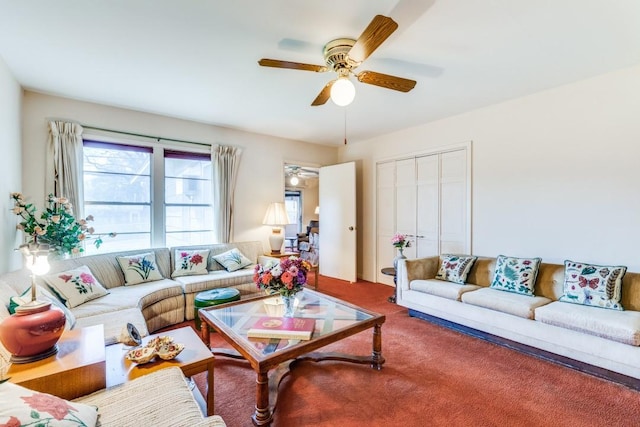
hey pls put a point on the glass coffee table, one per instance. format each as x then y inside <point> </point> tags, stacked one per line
<point>334,320</point>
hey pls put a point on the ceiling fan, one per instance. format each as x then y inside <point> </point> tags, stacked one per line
<point>343,56</point>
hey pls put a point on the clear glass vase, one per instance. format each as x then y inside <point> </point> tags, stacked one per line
<point>289,305</point>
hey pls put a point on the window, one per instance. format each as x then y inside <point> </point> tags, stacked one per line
<point>293,204</point>
<point>188,206</point>
<point>150,196</point>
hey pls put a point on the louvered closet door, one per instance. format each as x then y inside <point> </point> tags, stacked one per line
<point>385,217</point>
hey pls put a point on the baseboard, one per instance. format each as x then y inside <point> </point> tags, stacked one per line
<point>586,368</point>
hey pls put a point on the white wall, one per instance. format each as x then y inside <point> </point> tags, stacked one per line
<point>260,178</point>
<point>555,174</point>
<point>10,165</point>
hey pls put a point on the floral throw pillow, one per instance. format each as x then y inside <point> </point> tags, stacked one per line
<point>189,263</point>
<point>596,285</point>
<point>139,268</point>
<point>75,287</point>
<point>454,268</point>
<point>516,274</point>
<point>232,260</point>
<point>24,407</point>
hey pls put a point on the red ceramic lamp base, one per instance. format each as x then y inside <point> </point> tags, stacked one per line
<point>32,332</point>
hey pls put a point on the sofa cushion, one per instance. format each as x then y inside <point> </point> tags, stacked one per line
<point>130,404</point>
<point>22,407</point>
<point>515,274</point>
<point>215,279</point>
<point>232,260</point>
<point>190,263</point>
<point>114,322</point>
<point>441,289</point>
<point>75,287</point>
<point>454,268</point>
<point>139,268</point>
<point>507,302</point>
<point>621,326</point>
<point>595,285</point>
<point>138,296</point>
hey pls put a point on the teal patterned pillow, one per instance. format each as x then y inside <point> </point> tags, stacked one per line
<point>516,274</point>
<point>454,268</point>
<point>232,260</point>
<point>596,285</point>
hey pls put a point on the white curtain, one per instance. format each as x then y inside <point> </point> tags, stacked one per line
<point>225,161</point>
<point>64,164</point>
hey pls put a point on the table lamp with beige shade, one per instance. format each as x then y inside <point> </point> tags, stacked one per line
<point>276,217</point>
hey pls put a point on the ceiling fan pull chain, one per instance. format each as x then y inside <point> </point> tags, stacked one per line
<point>345,125</point>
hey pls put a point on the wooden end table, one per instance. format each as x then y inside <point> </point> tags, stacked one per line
<point>390,271</point>
<point>335,320</point>
<point>77,369</point>
<point>195,358</point>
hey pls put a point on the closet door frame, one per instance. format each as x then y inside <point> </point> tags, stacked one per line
<point>467,148</point>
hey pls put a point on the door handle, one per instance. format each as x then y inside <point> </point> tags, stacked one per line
<point>351,228</point>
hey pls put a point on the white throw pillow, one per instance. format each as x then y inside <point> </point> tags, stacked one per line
<point>190,263</point>
<point>139,268</point>
<point>232,260</point>
<point>75,286</point>
<point>24,407</point>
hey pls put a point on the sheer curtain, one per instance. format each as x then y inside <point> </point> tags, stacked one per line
<point>225,161</point>
<point>64,164</point>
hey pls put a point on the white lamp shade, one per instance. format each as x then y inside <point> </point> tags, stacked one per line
<point>343,92</point>
<point>317,211</point>
<point>276,215</point>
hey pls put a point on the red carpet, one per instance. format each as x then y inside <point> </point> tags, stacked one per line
<point>433,376</point>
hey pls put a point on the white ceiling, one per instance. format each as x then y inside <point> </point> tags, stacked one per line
<point>197,59</point>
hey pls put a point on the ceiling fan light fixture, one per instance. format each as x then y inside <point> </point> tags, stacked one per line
<point>294,180</point>
<point>343,92</point>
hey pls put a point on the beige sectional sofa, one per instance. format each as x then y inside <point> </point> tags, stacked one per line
<point>151,305</point>
<point>601,341</point>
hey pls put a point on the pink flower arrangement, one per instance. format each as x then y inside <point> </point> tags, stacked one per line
<point>400,241</point>
<point>286,277</point>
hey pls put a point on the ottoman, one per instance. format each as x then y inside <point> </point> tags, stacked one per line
<point>213,297</point>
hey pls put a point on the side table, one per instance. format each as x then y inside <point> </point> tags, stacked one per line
<point>390,271</point>
<point>76,370</point>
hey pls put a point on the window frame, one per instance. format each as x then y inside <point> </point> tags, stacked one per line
<point>157,173</point>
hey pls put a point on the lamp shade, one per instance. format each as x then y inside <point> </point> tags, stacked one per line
<point>276,215</point>
<point>317,211</point>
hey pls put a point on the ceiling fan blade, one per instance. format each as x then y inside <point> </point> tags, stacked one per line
<point>387,81</point>
<point>379,29</point>
<point>324,95</point>
<point>276,63</point>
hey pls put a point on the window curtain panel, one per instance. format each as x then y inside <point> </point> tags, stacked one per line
<point>64,164</point>
<point>225,161</point>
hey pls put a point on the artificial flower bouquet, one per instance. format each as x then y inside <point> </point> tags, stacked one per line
<point>56,225</point>
<point>286,277</point>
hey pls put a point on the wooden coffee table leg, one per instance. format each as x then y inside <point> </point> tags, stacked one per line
<point>204,333</point>
<point>376,356</point>
<point>210,402</point>
<point>262,416</point>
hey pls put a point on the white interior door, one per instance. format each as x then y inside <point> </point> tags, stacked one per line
<point>337,249</point>
<point>427,212</point>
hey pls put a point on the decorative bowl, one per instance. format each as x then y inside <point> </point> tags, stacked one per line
<point>158,342</point>
<point>169,351</point>
<point>141,354</point>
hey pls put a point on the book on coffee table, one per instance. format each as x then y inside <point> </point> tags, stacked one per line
<point>295,328</point>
